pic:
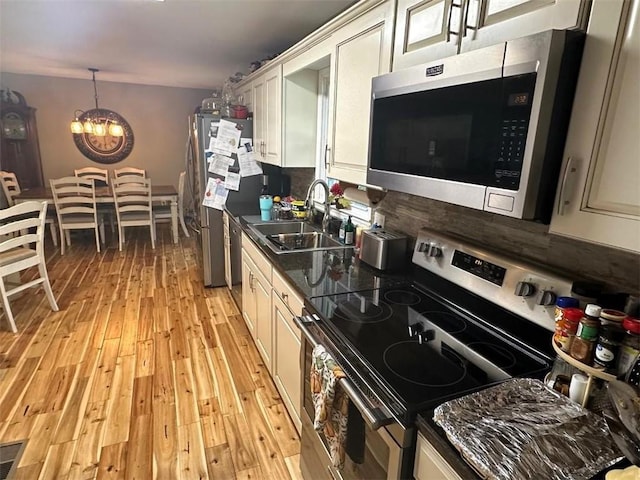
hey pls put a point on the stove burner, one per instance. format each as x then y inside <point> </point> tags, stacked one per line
<point>407,359</point>
<point>362,309</point>
<point>402,297</point>
<point>448,322</point>
<point>496,354</point>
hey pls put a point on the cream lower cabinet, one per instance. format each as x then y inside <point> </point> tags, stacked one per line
<point>287,344</point>
<point>598,197</point>
<point>432,29</point>
<point>256,300</point>
<point>269,304</point>
<point>429,464</point>
<point>362,51</point>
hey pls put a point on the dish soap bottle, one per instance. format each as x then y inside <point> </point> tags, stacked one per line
<point>349,233</point>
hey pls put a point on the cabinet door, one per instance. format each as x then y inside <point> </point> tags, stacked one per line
<point>426,30</point>
<point>273,108</point>
<point>259,118</point>
<point>429,464</point>
<point>248,293</point>
<point>264,329</point>
<point>287,359</point>
<point>363,52</point>
<point>598,197</point>
<point>487,22</point>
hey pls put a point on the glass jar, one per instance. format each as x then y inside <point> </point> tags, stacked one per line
<point>583,345</point>
<point>630,347</point>
<point>570,321</point>
<point>607,348</point>
<point>612,317</point>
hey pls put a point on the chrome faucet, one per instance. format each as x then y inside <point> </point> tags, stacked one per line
<point>327,206</point>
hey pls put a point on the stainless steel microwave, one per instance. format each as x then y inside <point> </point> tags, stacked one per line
<point>484,129</point>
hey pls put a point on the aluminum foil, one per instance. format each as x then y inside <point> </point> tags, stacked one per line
<point>521,429</point>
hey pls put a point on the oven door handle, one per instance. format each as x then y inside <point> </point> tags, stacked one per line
<point>374,417</point>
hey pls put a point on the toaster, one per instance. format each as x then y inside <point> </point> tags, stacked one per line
<point>382,249</point>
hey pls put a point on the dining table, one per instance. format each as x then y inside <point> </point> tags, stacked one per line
<point>104,195</point>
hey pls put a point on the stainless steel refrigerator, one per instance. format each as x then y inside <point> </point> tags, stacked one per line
<point>208,221</point>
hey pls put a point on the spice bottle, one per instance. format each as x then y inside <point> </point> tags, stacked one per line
<point>607,347</point>
<point>583,344</point>
<point>567,327</point>
<point>612,317</point>
<point>630,347</point>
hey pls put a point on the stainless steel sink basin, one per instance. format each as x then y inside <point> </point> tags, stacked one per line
<point>288,237</point>
<point>288,242</point>
<point>275,228</point>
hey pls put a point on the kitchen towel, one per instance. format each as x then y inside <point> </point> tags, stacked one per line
<point>330,403</point>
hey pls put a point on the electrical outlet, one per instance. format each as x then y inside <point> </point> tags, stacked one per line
<point>379,219</point>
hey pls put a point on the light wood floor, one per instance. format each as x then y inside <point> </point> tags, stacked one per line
<point>143,373</point>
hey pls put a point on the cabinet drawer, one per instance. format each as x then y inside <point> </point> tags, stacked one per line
<point>287,294</point>
<point>261,262</point>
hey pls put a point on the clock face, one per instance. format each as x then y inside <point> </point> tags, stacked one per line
<point>106,148</point>
<point>14,127</point>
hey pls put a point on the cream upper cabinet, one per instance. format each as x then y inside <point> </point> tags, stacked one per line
<point>267,110</point>
<point>598,197</point>
<point>431,29</point>
<point>362,51</point>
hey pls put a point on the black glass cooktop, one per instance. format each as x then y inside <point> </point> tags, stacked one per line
<point>422,350</point>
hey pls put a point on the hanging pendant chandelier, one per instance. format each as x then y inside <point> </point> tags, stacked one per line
<point>95,122</point>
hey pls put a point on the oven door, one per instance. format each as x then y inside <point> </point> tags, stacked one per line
<point>381,456</point>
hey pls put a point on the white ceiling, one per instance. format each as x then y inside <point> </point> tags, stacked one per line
<point>181,43</point>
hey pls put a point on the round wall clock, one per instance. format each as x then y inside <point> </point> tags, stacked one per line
<point>105,148</point>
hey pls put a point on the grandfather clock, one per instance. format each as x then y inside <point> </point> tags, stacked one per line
<point>19,150</point>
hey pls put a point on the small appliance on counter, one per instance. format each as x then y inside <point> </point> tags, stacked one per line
<point>382,249</point>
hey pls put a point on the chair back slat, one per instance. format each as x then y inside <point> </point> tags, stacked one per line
<point>17,220</point>
<point>10,186</point>
<point>100,175</point>
<point>133,171</point>
<point>74,195</point>
<point>132,197</point>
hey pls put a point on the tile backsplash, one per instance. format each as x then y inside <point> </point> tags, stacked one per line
<point>618,270</point>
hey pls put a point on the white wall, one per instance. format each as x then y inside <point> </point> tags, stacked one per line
<point>157,115</point>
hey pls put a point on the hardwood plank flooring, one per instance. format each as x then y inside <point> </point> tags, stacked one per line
<point>143,373</point>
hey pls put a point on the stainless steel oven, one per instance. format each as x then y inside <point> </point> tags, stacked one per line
<point>462,320</point>
<point>382,446</point>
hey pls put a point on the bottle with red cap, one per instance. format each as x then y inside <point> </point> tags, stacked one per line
<point>630,347</point>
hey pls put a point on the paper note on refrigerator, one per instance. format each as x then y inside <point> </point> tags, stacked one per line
<point>215,195</point>
<point>248,164</point>
<point>226,142</point>
<point>232,181</point>
<point>220,164</point>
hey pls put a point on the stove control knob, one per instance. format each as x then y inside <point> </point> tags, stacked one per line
<point>547,297</point>
<point>415,329</point>
<point>525,289</point>
<point>426,336</point>
<point>433,250</point>
<point>423,246</point>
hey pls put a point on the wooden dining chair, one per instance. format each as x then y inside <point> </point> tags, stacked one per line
<point>75,201</point>
<point>20,249</point>
<point>11,189</point>
<point>163,212</point>
<point>132,197</point>
<point>119,172</point>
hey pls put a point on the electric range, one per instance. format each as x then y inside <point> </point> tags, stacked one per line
<point>465,319</point>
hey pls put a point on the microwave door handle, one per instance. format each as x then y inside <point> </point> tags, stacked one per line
<point>374,417</point>
<point>565,190</point>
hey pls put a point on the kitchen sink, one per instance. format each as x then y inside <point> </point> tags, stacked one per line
<point>287,242</point>
<point>288,237</point>
<point>276,228</point>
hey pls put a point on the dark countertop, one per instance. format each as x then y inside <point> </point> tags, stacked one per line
<point>322,272</point>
